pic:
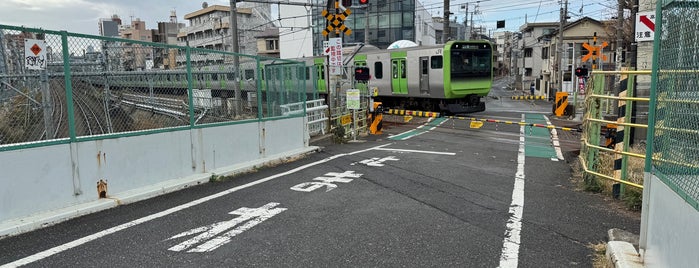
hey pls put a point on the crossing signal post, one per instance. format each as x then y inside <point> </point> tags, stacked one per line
<point>361,74</point>
<point>581,72</point>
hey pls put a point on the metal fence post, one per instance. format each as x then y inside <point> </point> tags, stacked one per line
<point>188,52</point>
<point>69,86</point>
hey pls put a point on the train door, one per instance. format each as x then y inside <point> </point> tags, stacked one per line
<point>320,75</point>
<point>424,75</point>
<point>399,83</point>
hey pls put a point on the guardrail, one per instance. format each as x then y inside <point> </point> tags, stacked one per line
<point>316,114</point>
<point>597,157</point>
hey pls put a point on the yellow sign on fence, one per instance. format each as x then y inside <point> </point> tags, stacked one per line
<point>346,119</point>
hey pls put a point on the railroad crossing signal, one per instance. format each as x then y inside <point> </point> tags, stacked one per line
<point>594,51</point>
<point>336,20</point>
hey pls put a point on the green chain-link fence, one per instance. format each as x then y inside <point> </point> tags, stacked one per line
<point>96,87</point>
<point>675,136</point>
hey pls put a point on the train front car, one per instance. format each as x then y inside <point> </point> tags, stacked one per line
<point>468,76</point>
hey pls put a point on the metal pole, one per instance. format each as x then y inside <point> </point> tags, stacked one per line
<point>46,104</point>
<point>366,24</point>
<point>446,31</point>
<point>236,61</point>
<point>564,14</point>
<point>619,42</point>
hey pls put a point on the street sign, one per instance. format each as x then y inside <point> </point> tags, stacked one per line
<point>335,56</point>
<point>645,26</point>
<point>35,54</point>
<point>353,99</point>
<point>326,48</point>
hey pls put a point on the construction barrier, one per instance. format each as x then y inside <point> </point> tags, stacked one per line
<point>412,113</point>
<point>561,103</point>
<point>515,123</point>
<point>376,118</point>
<point>529,97</point>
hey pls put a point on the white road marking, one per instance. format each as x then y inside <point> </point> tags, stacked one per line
<point>556,143</point>
<point>75,243</point>
<point>377,162</point>
<point>413,151</point>
<point>253,216</point>
<point>326,181</point>
<point>417,133</point>
<point>509,256</point>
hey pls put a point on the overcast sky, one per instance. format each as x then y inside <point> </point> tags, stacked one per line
<point>81,16</point>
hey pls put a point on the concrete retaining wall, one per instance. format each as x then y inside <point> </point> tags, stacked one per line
<point>52,178</point>
<point>669,228</point>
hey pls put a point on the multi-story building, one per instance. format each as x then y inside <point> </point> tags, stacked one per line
<point>388,21</point>
<point>167,33</point>
<point>501,52</point>
<point>268,43</point>
<point>209,27</point>
<point>539,61</point>
<point>458,30</point>
<point>533,50</point>
<point>13,51</point>
<point>569,57</point>
<point>109,26</point>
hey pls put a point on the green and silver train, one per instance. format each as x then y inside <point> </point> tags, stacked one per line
<point>448,78</point>
<point>451,78</point>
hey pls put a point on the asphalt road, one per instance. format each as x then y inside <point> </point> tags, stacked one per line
<point>441,195</point>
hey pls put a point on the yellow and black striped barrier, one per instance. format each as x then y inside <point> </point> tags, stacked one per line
<point>528,97</point>
<point>515,123</point>
<point>411,113</point>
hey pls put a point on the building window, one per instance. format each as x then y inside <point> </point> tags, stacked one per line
<point>528,52</point>
<point>436,62</point>
<point>272,45</point>
<point>527,71</point>
<point>544,53</point>
<point>378,70</point>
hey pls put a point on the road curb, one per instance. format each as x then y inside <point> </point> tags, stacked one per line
<point>623,255</point>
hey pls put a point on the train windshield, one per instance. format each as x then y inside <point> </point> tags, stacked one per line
<point>471,60</point>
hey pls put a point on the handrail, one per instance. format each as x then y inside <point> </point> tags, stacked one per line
<point>584,165</point>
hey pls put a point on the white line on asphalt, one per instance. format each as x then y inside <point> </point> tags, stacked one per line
<point>414,151</point>
<point>510,248</point>
<point>416,133</point>
<point>556,143</point>
<point>100,234</point>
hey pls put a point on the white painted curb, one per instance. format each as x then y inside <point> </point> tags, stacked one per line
<point>623,255</point>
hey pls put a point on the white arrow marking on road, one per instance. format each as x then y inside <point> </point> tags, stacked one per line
<point>254,215</point>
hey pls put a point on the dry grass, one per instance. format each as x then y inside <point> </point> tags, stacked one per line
<point>605,165</point>
<point>599,257</point>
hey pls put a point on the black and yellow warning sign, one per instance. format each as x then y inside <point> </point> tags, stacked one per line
<point>337,20</point>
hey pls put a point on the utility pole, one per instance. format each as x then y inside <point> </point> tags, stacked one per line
<point>446,31</point>
<point>466,25</point>
<point>619,38</point>
<point>562,22</point>
<point>233,19</point>
<point>634,45</point>
<point>366,24</point>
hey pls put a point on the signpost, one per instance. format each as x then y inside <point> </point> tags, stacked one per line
<point>353,103</point>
